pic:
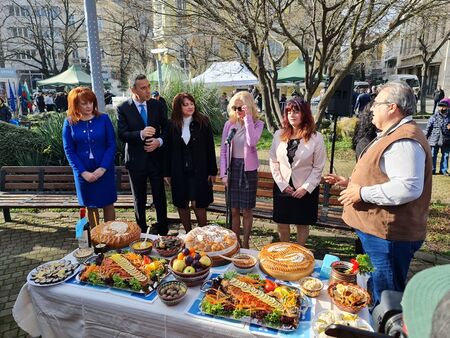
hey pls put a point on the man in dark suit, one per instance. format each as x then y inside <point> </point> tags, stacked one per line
<point>141,126</point>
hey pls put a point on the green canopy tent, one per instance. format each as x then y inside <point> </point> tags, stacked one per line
<point>169,72</point>
<point>71,77</point>
<point>293,72</point>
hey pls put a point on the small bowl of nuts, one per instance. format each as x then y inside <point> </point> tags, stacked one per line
<point>172,292</point>
<point>311,286</point>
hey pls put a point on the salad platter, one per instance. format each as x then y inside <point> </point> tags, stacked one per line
<point>327,317</point>
<point>124,270</point>
<point>253,299</point>
<point>52,273</point>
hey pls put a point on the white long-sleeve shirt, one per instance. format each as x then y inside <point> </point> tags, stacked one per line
<point>404,163</point>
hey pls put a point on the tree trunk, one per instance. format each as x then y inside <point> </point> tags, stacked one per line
<point>423,88</point>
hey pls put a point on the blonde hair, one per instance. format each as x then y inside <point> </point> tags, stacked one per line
<point>247,100</point>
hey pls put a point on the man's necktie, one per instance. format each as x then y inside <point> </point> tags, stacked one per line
<point>143,113</point>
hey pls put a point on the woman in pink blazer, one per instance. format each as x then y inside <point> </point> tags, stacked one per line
<point>247,128</point>
<point>297,158</point>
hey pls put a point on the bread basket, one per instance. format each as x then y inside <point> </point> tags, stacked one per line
<point>355,297</point>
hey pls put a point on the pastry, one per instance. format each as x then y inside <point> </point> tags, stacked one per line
<point>286,261</point>
<point>116,234</point>
<point>211,239</point>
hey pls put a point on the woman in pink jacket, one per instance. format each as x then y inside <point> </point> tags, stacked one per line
<point>244,123</point>
<point>297,158</point>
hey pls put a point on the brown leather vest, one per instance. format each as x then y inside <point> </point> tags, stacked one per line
<point>406,222</point>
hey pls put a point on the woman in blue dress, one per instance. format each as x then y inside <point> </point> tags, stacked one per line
<point>90,147</point>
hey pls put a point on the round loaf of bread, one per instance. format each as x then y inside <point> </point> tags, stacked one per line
<point>116,234</point>
<point>286,261</point>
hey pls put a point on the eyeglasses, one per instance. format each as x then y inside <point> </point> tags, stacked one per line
<point>236,108</point>
<point>375,103</point>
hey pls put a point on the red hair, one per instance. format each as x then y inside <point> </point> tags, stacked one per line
<point>307,124</point>
<point>74,98</point>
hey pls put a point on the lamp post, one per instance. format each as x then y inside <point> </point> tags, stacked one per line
<point>90,12</point>
<point>158,52</point>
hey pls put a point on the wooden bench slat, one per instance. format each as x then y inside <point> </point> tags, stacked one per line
<point>21,186</point>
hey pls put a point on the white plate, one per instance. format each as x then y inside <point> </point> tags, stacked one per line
<point>31,282</point>
<point>357,323</point>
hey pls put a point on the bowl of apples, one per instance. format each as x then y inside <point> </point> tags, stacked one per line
<point>190,267</point>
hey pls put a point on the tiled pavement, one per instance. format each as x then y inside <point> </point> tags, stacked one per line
<point>33,238</point>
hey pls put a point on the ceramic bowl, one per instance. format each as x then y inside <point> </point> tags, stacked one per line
<point>191,279</point>
<point>245,264</point>
<point>168,252</point>
<point>136,247</point>
<point>168,298</point>
<point>311,286</point>
<point>81,254</point>
<point>353,299</point>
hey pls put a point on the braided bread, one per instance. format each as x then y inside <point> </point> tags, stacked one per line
<point>286,261</point>
<point>116,234</point>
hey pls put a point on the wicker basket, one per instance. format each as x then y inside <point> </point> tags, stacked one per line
<point>352,309</point>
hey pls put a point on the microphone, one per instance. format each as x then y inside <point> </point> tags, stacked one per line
<point>231,135</point>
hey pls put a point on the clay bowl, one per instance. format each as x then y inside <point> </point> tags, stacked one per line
<point>166,252</point>
<point>311,286</point>
<point>191,279</point>
<point>354,307</point>
<point>245,263</point>
<point>136,247</point>
<point>168,299</point>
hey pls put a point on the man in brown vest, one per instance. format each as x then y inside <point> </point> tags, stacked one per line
<point>388,195</point>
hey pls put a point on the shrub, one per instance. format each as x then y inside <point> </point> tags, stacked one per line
<point>16,142</point>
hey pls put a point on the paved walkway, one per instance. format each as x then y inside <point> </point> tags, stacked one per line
<point>34,238</point>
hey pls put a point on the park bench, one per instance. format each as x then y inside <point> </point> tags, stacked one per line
<point>329,214</point>
<point>49,187</point>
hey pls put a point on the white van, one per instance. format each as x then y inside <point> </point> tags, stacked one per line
<point>411,80</point>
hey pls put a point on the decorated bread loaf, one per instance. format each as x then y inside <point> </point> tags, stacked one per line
<point>286,261</point>
<point>116,234</point>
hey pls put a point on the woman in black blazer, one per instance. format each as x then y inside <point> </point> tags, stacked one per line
<point>190,160</point>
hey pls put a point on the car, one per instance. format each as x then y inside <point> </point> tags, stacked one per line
<point>410,79</point>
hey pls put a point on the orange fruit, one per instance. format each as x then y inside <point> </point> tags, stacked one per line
<point>180,255</point>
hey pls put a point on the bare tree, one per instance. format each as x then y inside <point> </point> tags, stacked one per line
<point>432,33</point>
<point>128,34</point>
<point>245,28</point>
<point>4,37</point>
<point>346,28</point>
<point>330,34</point>
<point>46,33</point>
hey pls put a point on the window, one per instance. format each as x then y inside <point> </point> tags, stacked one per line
<point>22,32</point>
<point>181,5</point>
<point>16,10</point>
<point>100,23</point>
<point>76,54</point>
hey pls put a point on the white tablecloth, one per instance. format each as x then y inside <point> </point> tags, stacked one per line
<point>68,310</point>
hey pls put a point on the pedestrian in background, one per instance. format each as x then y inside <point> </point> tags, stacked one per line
<point>90,147</point>
<point>5,112</point>
<point>245,122</point>
<point>438,135</point>
<point>438,95</point>
<point>297,158</point>
<point>190,160</point>
<point>365,131</point>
